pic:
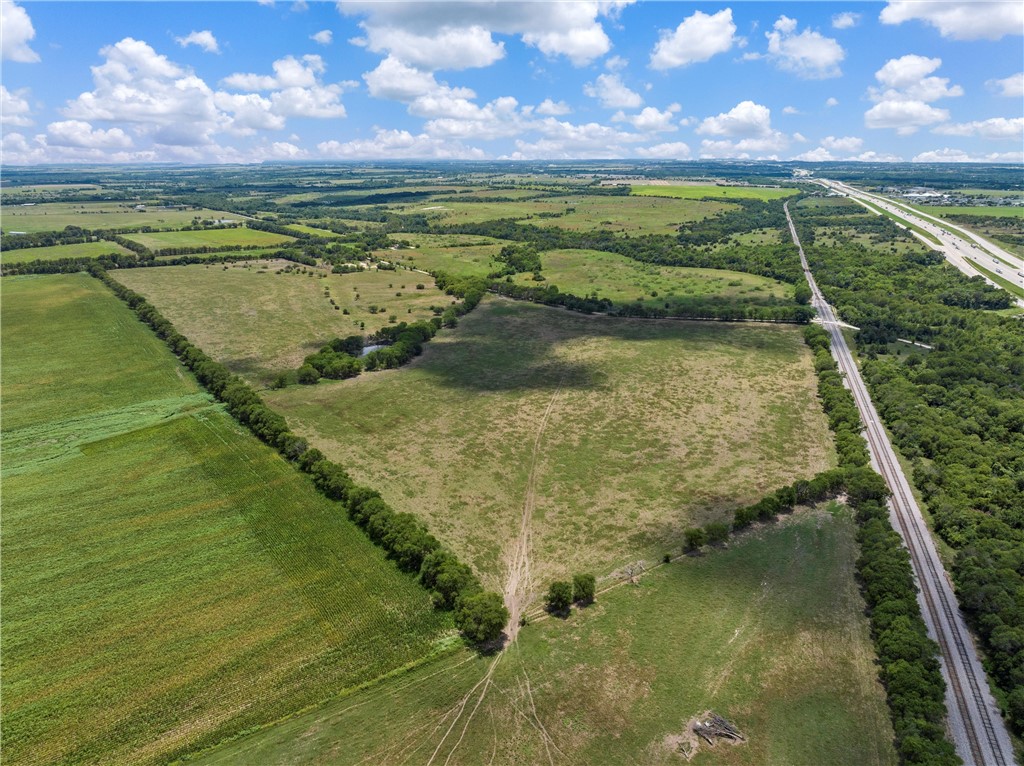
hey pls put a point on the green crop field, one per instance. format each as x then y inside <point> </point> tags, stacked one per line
<point>617,433</point>
<point>623,280</point>
<point>168,580</point>
<point>55,216</point>
<point>209,238</point>
<point>55,253</point>
<point>713,190</point>
<point>769,633</point>
<point>259,322</point>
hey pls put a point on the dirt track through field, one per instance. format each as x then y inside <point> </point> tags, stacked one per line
<point>519,585</point>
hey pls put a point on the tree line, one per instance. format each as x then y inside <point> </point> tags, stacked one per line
<point>956,412</point>
<point>908,659</point>
<point>402,536</point>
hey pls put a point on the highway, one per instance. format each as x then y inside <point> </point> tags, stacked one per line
<point>964,249</point>
<point>977,729</point>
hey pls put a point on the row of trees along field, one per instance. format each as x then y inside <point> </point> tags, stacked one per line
<point>404,538</point>
<point>956,412</point>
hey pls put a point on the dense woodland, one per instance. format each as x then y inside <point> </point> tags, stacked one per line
<point>955,411</point>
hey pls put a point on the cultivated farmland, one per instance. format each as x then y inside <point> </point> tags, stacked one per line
<point>168,580</point>
<point>617,433</point>
<point>260,322</point>
<point>769,633</point>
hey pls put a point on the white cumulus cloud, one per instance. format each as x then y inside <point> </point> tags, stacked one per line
<point>962,19</point>
<point>1008,87</point>
<point>570,29</point>
<point>612,92</point>
<point>905,116</point>
<point>845,20</point>
<point>807,54</point>
<point>651,120</point>
<point>323,37</point>
<point>751,127</point>
<point>904,100</point>
<point>845,144</point>
<point>999,128</point>
<point>696,39</point>
<point>16,31</point>
<point>14,108</point>
<point>959,155</point>
<point>398,144</point>
<point>745,119</point>
<point>553,108</point>
<point>81,134</point>
<point>203,39</point>
<point>675,150</point>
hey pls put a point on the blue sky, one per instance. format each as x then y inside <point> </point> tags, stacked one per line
<point>258,81</point>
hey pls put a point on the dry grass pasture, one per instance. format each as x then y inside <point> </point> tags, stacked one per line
<point>618,433</point>
<point>260,322</point>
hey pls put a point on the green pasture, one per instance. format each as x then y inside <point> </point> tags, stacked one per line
<point>623,280</point>
<point>57,252</point>
<point>641,428</point>
<point>633,215</point>
<point>55,216</point>
<point>168,580</point>
<point>991,211</point>
<point>209,238</point>
<point>715,191</point>
<point>303,229</point>
<point>259,319</point>
<point>769,633</point>
<point>459,254</point>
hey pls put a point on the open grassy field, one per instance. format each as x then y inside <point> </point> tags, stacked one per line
<point>209,238</point>
<point>647,215</point>
<point>259,322</point>
<point>769,633</point>
<point>947,211</point>
<point>712,190</point>
<point>55,253</point>
<point>168,580</point>
<point>54,216</point>
<point>623,280</point>
<point>302,229</point>
<point>460,254</point>
<point>614,434</point>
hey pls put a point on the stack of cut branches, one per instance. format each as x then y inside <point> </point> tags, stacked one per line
<point>716,726</point>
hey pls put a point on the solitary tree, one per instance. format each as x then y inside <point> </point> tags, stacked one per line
<point>559,596</point>
<point>482,617</point>
<point>584,586</point>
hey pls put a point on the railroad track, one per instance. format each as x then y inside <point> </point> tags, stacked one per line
<point>979,734</point>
